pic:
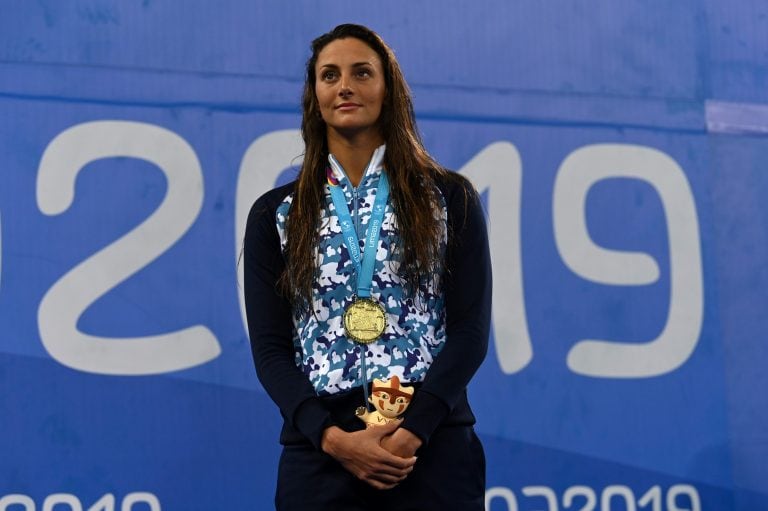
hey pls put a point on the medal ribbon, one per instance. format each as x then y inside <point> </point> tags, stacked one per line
<point>364,264</point>
<point>368,258</point>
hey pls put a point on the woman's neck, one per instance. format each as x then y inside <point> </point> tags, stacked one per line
<point>353,153</point>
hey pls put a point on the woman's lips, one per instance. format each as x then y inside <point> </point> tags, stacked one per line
<point>347,106</point>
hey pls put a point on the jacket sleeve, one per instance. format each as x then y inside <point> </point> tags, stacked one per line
<point>270,327</point>
<point>467,289</point>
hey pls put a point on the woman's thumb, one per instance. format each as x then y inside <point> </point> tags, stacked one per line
<point>389,428</point>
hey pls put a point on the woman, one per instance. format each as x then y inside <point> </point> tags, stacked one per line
<point>367,288</point>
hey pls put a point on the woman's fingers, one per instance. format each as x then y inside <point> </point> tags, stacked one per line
<point>361,454</point>
<point>401,443</point>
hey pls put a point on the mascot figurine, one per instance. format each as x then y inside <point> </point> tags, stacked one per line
<point>390,400</point>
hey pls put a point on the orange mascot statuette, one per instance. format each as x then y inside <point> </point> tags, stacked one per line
<point>390,399</point>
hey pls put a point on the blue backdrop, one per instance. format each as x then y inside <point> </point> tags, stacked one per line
<point>620,150</point>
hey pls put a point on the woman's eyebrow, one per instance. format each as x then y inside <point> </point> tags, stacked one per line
<point>356,64</point>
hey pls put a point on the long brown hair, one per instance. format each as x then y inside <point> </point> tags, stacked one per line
<point>410,168</point>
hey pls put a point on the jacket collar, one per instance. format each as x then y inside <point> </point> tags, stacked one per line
<point>371,173</point>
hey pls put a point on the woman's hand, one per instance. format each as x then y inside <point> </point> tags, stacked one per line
<point>401,443</point>
<point>361,453</point>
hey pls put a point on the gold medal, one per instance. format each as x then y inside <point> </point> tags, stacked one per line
<point>365,320</point>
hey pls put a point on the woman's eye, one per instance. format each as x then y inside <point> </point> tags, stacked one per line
<point>329,75</point>
<point>363,73</point>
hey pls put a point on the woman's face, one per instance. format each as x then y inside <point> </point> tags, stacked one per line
<point>350,87</point>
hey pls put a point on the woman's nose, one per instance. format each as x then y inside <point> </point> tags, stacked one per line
<point>344,87</point>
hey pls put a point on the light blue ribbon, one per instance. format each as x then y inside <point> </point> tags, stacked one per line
<point>365,270</point>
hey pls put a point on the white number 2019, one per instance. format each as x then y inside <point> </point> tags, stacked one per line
<point>496,170</point>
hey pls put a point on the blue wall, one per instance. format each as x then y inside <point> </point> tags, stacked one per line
<point>620,149</point>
